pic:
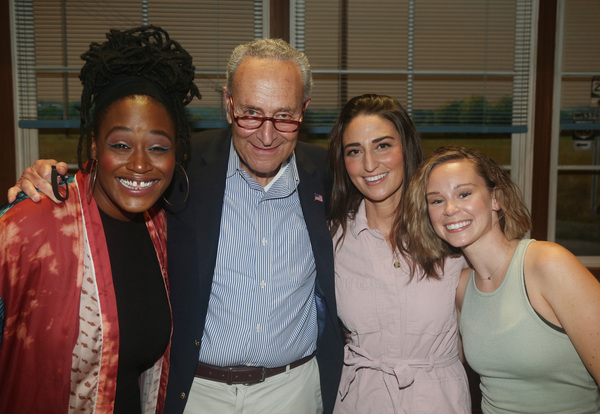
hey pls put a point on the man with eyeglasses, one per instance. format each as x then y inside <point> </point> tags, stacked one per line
<point>250,255</point>
<point>264,252</point>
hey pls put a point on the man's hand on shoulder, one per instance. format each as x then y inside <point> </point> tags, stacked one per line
<point>37,177</point>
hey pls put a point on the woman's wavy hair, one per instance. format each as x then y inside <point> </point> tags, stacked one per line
<point>426,248</point>
<point>146,52</point>
<point>345,197</point>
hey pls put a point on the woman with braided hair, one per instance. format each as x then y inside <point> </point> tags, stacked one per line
<point>84,283</point>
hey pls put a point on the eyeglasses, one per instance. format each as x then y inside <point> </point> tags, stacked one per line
<point>255,122</point>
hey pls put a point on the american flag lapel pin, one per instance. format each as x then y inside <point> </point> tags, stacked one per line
<point>318,197</point>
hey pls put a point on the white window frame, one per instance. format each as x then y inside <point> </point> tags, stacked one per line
<point>588,261</point>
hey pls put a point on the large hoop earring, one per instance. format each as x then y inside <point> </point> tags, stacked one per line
<point>91,182</point>
<point>187,189</point>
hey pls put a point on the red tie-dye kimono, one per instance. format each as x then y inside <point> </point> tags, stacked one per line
<point>60,346</point>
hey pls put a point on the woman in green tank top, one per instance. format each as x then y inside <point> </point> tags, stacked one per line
<point>529,310</point>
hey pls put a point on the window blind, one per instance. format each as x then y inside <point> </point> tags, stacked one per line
<point>51,35</point>
<point>460,66</point>
<point>580,65</point>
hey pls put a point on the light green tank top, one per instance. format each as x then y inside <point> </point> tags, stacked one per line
<point>526,366</point>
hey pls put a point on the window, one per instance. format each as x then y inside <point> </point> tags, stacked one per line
<point>462,68</point>
<point>574,219</point>
<point>51,35</point>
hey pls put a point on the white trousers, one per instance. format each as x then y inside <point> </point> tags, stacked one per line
<point>296,391</point>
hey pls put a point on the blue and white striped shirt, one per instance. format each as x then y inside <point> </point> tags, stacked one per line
<point>262,309</point>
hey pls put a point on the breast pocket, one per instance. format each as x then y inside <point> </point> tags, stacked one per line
<point>300,262</point>
<point>357,302</point>
<point>430,306</point>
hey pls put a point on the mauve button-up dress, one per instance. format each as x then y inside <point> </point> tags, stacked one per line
<point>403,354</point>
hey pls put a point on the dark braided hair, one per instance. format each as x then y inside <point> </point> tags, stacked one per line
<point>145,52</point>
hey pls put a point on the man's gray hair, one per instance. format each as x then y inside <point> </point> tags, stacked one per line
<point>276,49</point>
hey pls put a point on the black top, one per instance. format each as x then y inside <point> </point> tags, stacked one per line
<point>142,305</point>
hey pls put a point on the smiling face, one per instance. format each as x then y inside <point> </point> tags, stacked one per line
<point>134,146</point>
<point>462,209</point>
<point>374,159</point>
<point>266,88</point>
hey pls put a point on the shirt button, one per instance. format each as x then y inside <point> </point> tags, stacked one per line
<point>396,265</point>
<point>263,284</point>
<point>258,328</point>
<point>182,395</point>
<point>264,241</point>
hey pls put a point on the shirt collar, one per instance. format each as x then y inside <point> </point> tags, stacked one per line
<point>359,223</point>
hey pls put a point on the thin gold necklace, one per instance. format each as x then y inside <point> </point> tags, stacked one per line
<point>499,264</point>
